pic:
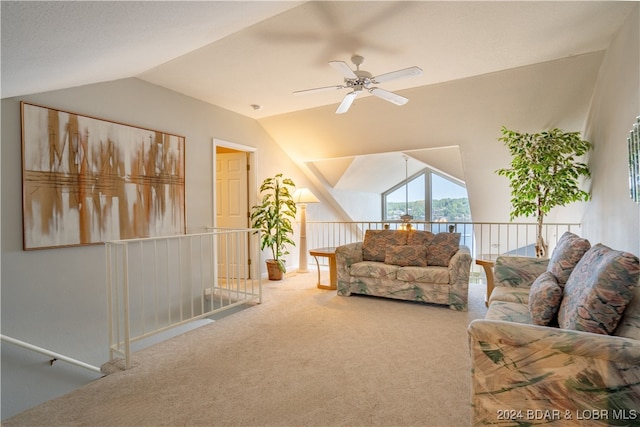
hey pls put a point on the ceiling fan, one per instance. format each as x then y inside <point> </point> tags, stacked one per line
<point>360,80</point>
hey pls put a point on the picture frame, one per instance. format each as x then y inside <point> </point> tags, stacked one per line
<point>86,180</point>
<point>633,142</point>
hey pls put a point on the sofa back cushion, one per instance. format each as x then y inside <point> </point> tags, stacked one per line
<point>442,248</point>
<point>518,271</point>
<point>566,256</point>
<point>419,237</point>
<point>598,290</point>
<point>629,325</point>
<point>374,246</point>
<point>406,255</point>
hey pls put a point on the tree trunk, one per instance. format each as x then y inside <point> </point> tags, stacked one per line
<point>541,246</point>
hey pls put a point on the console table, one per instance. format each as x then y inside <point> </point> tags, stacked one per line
<point>330,253</point>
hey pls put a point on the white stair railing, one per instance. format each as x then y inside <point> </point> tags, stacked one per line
<point>156,284</point>
<point>483,238</point>
<point>52,354</point>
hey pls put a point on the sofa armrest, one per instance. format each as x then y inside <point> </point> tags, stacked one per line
<point>536,338</point>
<point>346,255</point>
<point>524,367</point>
<point>517,271</point>
<point>459,269</point>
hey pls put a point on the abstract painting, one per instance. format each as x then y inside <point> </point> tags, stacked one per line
<point>87,181</point>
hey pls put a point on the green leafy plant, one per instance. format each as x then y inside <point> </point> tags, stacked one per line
<point>273,217</point>
<point>545,172</point>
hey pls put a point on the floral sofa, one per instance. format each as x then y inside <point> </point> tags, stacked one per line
<point>408,265</point>
<point>560,343</point>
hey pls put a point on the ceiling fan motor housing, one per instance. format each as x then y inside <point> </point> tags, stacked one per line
<point>363,80</point>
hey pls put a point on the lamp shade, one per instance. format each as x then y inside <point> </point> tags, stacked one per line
<point>304,195</point>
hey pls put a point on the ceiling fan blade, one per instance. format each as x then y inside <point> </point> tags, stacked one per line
<point>394,75</point>
<point>389,96</point>
<point>318,89</point>
<point>346,102</point>
<point>344,69</point>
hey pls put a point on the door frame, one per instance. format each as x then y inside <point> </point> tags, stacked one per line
<point>252,194</point>
<point>251,176</point>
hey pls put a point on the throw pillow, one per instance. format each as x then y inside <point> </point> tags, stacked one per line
<point>442,248</point>
<point>598,290</point>
<point>545,296</point>
<point>406,255</point>
<point>566,255</point>
<point>374,246</point>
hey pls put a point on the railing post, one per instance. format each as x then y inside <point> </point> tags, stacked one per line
<point>109,283</point>
<point>125,306</point>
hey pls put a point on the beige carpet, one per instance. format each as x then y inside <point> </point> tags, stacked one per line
<point>304,357</point>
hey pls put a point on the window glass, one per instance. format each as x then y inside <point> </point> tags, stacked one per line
<point>449,201</point>
<point>396,200</point>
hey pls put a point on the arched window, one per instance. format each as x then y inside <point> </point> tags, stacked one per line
<point>429,196</point>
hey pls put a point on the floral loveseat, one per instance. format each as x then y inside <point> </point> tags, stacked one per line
<point>560,344</point>
<point>408,265</point>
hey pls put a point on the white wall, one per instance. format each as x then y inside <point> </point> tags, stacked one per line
<point>612,217</point>
<point>55,298</point>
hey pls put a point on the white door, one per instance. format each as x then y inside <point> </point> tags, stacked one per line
<point>232,210</point>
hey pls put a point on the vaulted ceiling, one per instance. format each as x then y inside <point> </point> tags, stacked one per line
<point>524,64</point>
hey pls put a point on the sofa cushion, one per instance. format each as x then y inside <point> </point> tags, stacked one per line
<point>373,269</point>
<point>435,275</point>
<point>545,297</point>
<point>419,237</point>
<point>374,246</point>
<point>566,255</point>
<point>509,294</point>
<point>509,311</point>
<point>598,290</point>
<point>404,255</point>
<point>442,248</point>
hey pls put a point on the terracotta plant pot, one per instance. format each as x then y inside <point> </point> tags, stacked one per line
<point>273,270</point>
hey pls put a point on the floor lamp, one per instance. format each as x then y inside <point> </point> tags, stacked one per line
<point>302,196</point>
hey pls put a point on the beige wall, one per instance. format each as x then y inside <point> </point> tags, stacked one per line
<point>56,298</point>
<point>612,217</point>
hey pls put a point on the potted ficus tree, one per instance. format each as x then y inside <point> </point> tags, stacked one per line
<point>273,219</point>
<point>545,172</point>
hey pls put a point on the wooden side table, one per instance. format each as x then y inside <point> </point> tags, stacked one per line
<point>330,253</point>
<point>487,262</point>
